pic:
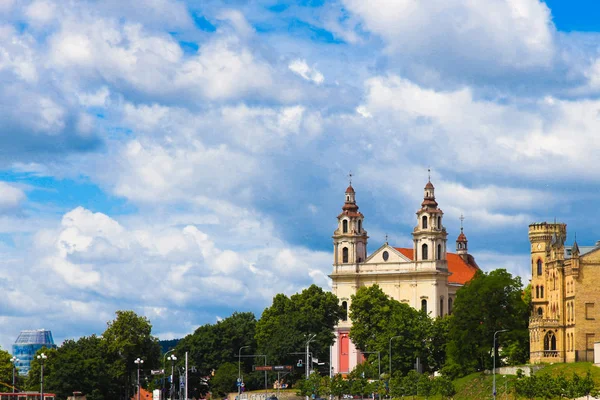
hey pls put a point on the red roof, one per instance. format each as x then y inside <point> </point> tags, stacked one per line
<point>462,272</point>
<point>429,185</point>
<point>461,238</point>
<point>350,189</point>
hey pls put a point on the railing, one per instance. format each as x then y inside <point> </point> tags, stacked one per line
<point>552,354</point>
<point>540,321</point>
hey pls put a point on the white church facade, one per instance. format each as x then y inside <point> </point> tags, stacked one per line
<point>425,276</point>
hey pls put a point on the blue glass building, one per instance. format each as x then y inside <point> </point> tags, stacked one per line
<point>27,344</point>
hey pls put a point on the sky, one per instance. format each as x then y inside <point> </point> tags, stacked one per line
<point>186,160</point>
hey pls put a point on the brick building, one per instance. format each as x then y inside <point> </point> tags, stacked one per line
<point>565,321</point>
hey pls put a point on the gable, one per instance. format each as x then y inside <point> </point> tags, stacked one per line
<point>393,256</point>
<point>461,272</point>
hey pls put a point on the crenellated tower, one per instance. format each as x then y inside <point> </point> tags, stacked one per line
<point>429,236</point>
<point>350,238</point>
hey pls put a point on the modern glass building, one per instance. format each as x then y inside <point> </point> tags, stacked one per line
<point>27,344</point>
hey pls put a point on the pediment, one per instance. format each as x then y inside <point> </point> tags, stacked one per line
<point>393,256</point>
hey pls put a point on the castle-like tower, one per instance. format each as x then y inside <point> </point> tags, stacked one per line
<point>565,322</point>
<point>425,276</point>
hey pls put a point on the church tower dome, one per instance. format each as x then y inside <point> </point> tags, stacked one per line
<point>461,241</point>
<point>429,236</point>
<point>350,238</point>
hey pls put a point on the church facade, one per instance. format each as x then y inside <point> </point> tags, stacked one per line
<point>565,321</point>
<point>425,276</point>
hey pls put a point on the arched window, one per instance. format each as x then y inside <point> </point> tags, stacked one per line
<point>439,252</point>
<point>550,341</point>
<point>450,305</point>
<point>542,291</point>
<point>568,311</point>
<point>540,312</point>
<point>345,255</point>
<point>345,312</point>
<point>424,252</point>
<point>345,226</point>
<point>359,226</point>
<point>537,292</point>
<point>439,222</point>
<point>539,267</point>
<point>424,305</point>
<point>441,306</point>
<point>424,222</point>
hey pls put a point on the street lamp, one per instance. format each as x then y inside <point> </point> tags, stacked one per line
<point>239,381</point>
<point>41,358</point>
<point>494,350</point>
<point>162,393</point>
<point>309,339</point>
<point>138,362</point>
<point>14,361</point>
<point>172,358</point>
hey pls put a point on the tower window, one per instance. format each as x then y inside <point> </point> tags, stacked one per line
<point>550,342</point>
<point>359,226</point>
<point>439,222</point>
<point>345,255</point>
<point>539,267</point>
<point>424,306</point>
<point>345,226</point>
<point>540,312</point>
<point>424,252</point>
<point>424,222</point>
<point>345,311</point>
<point>439,252</point>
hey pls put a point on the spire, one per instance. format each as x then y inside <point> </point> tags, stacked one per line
<point>575,248</point>
<point>461,240</point>
<point>429,195</point>
<point>350,197</point>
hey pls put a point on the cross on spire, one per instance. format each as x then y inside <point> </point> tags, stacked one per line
<point>386,238</point>
<point>429,174</point>
<point>350,177</point>
<point>462,218</point>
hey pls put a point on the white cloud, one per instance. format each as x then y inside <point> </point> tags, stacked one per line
<point>40,12</point>
<point>11,197</point>
<point>301,68</point>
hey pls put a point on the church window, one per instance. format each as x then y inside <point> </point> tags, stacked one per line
<point>424,252</point>
<point>424,306</point>
<point>359,226</point>
<point>424,223</point>
<point>542,291</point>
<point>441,306</point>
<point>345,254</point>
<point>450,305</point>
<point>539,267</point>
<point>385,255</point>
<point>345,311</point>
<point>345,226</point>
<point>550,341</point>
<point>439,252</point>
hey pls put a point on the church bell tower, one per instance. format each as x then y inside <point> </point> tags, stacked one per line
<point>350,238</point>
<point>429,236</point>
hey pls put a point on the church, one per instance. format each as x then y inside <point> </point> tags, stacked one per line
<point>425,276</point>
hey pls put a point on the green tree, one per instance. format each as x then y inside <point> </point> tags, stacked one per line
<point>339,386</point>
<point>489,302</point>
<point>32,382</point>
<point>225,379</point>
<point>6,370</point>
<point>127,338</point>
<point>376,318</point>
<point>284,327</point>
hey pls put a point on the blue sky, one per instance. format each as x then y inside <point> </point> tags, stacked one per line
<point>188,159</point>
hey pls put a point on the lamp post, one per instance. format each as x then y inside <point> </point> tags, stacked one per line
<point>494,350</point>
<point>239,381</point>
<point>310,339</point>
<point>41,357</point>
<point>138,361</point>
<point>162,393</point>
<point>172,358</point>
<point>14,361</point>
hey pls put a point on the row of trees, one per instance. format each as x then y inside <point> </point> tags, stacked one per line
<point>102,366</point>
<point>549,387</point>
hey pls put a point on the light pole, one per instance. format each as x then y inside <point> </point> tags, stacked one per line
<point>494,350</point>
<point>172,358</point>
<point>310,339</point>
<point>138,361</point>
<point>239,381</point>
<point>162,393</point>
<point>14,361</point>
<point>41,358</point>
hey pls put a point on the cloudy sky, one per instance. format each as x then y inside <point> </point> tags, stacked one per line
<point>188,159</point>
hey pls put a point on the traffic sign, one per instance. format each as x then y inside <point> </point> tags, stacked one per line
<point>157,371</point>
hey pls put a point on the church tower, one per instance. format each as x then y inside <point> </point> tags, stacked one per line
<point>350,239</point>
<point>461,242</point>
<point>429,236</point>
